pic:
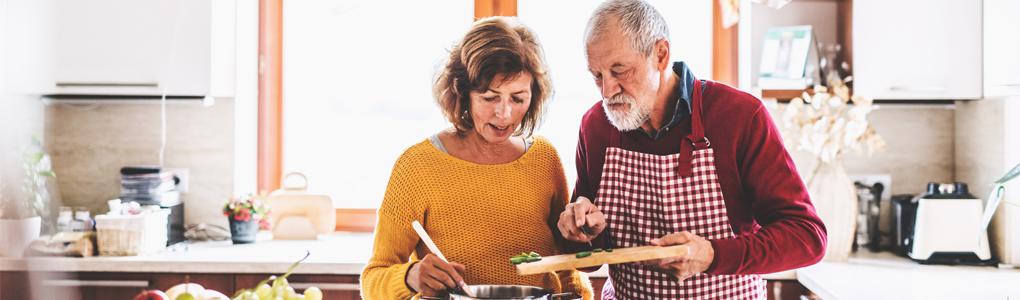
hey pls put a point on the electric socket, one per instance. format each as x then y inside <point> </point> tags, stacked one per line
<point>871,179</point>
<point>182,174</point>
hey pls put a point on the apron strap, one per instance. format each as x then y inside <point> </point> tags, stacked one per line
<point>696,140</point>
<point>697,125</point>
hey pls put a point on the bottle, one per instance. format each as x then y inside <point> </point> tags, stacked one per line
<point>64,219</point>
<point>82,222</point>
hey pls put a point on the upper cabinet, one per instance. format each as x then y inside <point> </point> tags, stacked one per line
<point>1001,48</point>
<point>920,49</point>
<point>120,47</point>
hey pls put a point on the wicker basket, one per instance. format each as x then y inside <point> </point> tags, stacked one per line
<point>132,235</point>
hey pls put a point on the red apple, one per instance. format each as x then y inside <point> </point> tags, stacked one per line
<point>152,295</point>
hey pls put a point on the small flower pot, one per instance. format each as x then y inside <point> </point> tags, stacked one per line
<point>243,232</point>
<point>17,234</point>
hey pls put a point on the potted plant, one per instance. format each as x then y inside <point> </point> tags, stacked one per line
<point>247,214</point>
<point>21,215</point>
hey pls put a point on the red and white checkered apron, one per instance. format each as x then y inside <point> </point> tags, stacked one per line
<point>646,196</point>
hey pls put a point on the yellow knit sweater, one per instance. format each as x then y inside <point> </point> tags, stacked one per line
<point>478,216</point>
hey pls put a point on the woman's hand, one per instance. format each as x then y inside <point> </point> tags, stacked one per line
<point>432,276</point>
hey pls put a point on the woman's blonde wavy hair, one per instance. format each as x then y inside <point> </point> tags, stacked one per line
<point>493,46</point>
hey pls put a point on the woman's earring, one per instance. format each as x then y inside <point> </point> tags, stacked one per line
<point>464,115</point>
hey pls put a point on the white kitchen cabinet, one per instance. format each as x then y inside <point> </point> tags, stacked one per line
<point>1001,48</point>
<point>918,49</point>
<point>116,47</point>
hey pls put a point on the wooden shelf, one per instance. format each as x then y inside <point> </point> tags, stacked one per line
<point>785,94</point>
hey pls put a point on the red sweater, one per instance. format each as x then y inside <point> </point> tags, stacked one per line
<point>768,206</point>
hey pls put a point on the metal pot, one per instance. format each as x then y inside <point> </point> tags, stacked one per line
<point>507,292</point>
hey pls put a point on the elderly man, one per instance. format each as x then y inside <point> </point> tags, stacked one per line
<point>672,160</point>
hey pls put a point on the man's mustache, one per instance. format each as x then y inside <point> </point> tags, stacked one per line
<point>620,98</point>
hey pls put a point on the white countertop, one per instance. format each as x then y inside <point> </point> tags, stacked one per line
<point>884,275</point>
<point>336,253</point>
<point>339,253</point>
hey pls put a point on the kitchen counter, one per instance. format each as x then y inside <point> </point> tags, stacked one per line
<point>884,275</point>
<point>338,253</point>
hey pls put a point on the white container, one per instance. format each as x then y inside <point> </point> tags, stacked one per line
<point>132,234</point>
<point>64,221</point>
<point>17,234</point>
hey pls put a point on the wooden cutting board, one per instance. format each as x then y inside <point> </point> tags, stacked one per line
<point>568,261</point>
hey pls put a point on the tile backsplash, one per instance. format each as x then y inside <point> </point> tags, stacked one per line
<point>89,145</point>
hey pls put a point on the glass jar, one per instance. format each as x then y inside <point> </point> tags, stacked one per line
<point>64,219</point>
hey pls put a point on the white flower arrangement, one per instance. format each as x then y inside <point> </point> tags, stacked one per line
<point>825,125</point>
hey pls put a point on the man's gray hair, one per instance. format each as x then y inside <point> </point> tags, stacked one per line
<point>638,19</point>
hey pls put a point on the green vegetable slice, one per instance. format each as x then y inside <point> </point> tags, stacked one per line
<point>597,250</point>
<point>582,254</point>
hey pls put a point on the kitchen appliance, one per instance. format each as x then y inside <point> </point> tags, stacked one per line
<point>869,199</point>
<point>506,292</point>
<point>945,227</point>
<point>148,185</point>
<point>903,210</point>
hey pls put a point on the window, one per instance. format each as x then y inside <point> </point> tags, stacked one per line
<point>357,88</point>
<point>358,78</point>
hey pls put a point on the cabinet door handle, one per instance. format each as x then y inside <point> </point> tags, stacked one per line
<point>1008,84</point>
<point>104,283</point>
<point>924,89</point>
<point>108,84</point>
<point>327,286</point>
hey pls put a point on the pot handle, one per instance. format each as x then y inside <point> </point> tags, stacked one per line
<point>566,296</point>
<point>431,297</point>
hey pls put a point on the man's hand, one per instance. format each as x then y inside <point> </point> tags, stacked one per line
<point>697,260</point>
<point>432,276</point>
<point>577,214</point>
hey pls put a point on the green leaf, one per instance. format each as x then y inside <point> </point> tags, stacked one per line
<point>47,174</point>
<point>35,158</point>
<point>1010,175</point>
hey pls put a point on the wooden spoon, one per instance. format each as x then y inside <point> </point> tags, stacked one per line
<point>435,250</point>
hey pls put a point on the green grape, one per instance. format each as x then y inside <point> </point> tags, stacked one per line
<point>263,291</point>
<point>246,295</point>
<point>313,293</point>
<point>278,291</point>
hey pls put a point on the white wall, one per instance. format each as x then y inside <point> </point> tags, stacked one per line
<point>21,117</point>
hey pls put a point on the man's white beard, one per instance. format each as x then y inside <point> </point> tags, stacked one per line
<point>628,119</point>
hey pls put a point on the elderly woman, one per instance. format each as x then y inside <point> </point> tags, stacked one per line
<point>484,189</point>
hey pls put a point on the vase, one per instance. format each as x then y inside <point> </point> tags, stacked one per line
<point>17,234</point>
<point>243,232</point>
<point>835,199</point>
